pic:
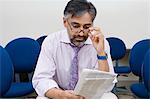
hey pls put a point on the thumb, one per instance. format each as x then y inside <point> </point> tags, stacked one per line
<point>70,91</point>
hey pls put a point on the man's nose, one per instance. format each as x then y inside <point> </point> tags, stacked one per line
<point>81,33</point>
<point>81,28</point>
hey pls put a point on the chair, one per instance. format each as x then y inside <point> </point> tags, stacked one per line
<point>41,39</point>
<point>6,71</point>
<point>24,54</point>
<point>141,89</point>
<point>146,71</point>
<point>118,51</point>
<point>137,54</point>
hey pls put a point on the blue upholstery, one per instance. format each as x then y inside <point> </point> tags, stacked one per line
<point>41,39</point>
<point>122,69</point>
<point>118,51</point>
<point>19,89</point>
<point>24,54</point>
<point>136,60</point>
<point>137,55</point>
<point>117,48</point>
<point>146,71</point>
<point>139,90</point>
<point>6,71</point>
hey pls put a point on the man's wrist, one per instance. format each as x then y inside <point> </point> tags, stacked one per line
<point>102,53</point>
<point>54,93</point>
<point>102,56</point>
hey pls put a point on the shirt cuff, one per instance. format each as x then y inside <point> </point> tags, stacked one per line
<point>44,85</point>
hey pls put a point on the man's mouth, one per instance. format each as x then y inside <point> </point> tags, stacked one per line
<point>80,39</point>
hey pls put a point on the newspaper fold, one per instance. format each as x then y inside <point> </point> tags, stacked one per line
<point>93,83</point>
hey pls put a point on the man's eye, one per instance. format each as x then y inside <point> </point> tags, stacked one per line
<point>76,26</point>
<point>86,27</point>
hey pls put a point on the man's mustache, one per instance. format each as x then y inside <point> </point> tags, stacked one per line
<point>80,37</point>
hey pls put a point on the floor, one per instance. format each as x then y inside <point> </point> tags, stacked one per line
<point>124,81</point>
<point>126,97</point>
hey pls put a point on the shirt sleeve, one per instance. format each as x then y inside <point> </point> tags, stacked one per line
<point>107,50</point>
<point>111,67</point>
<point>45,70</point>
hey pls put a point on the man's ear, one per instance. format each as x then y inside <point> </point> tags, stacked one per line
<point>65,22</point>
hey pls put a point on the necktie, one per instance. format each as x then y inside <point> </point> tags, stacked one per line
<point>74,69</point>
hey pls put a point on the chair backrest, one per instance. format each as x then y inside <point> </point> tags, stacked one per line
<point>117,48</point>
<point>41,39</point>
<point>146,70</point>
<point>6,71</point>
<point>137,55</point>
<point>24,53</point>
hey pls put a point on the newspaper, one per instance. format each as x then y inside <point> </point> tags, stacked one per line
<point>93,83</point>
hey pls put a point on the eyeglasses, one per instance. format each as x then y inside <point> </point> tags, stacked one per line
<point>76,27</point>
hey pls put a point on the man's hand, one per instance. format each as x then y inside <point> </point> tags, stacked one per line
<point>61,94</point>
<point>69,94</point>
<point>97,38</point>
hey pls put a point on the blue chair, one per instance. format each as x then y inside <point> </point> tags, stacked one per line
<point>137,54</point>
<point>146,72</point>
<point>41,39</point>
<point>24,53</point>
<point>6,71</point>
<point>118,51</point>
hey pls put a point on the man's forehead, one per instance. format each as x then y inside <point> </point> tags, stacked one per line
<point>84,18</point>
<point>81,22</point>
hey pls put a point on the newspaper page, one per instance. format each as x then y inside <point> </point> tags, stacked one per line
<point>93,83</point>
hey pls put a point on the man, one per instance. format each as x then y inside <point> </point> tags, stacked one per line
<point>66,53</point>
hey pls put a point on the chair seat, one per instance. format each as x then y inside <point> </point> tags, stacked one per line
<point>122,69</point>
<point>19,89</point>
<point>139,90</point>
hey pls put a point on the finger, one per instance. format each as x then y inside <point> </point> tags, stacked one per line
<point>96,38</point>
<point>82,97</point>
<point>71,95</point>
<point>94,28</point>
<point>95,34</point>
<point>97,28</point>
<point>77,97</point>
<point>90,35</point>
<point>70,91</point>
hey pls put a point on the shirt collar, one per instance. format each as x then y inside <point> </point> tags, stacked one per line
<point>88,41</point>
<point>65,38</point>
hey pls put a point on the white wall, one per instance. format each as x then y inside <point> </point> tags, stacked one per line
<point>126,19</point>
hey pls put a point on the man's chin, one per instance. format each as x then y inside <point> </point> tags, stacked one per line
<point>78,42</point>
<point>80,39</point>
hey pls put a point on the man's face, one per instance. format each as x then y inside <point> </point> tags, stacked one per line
<point>78,28</point>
